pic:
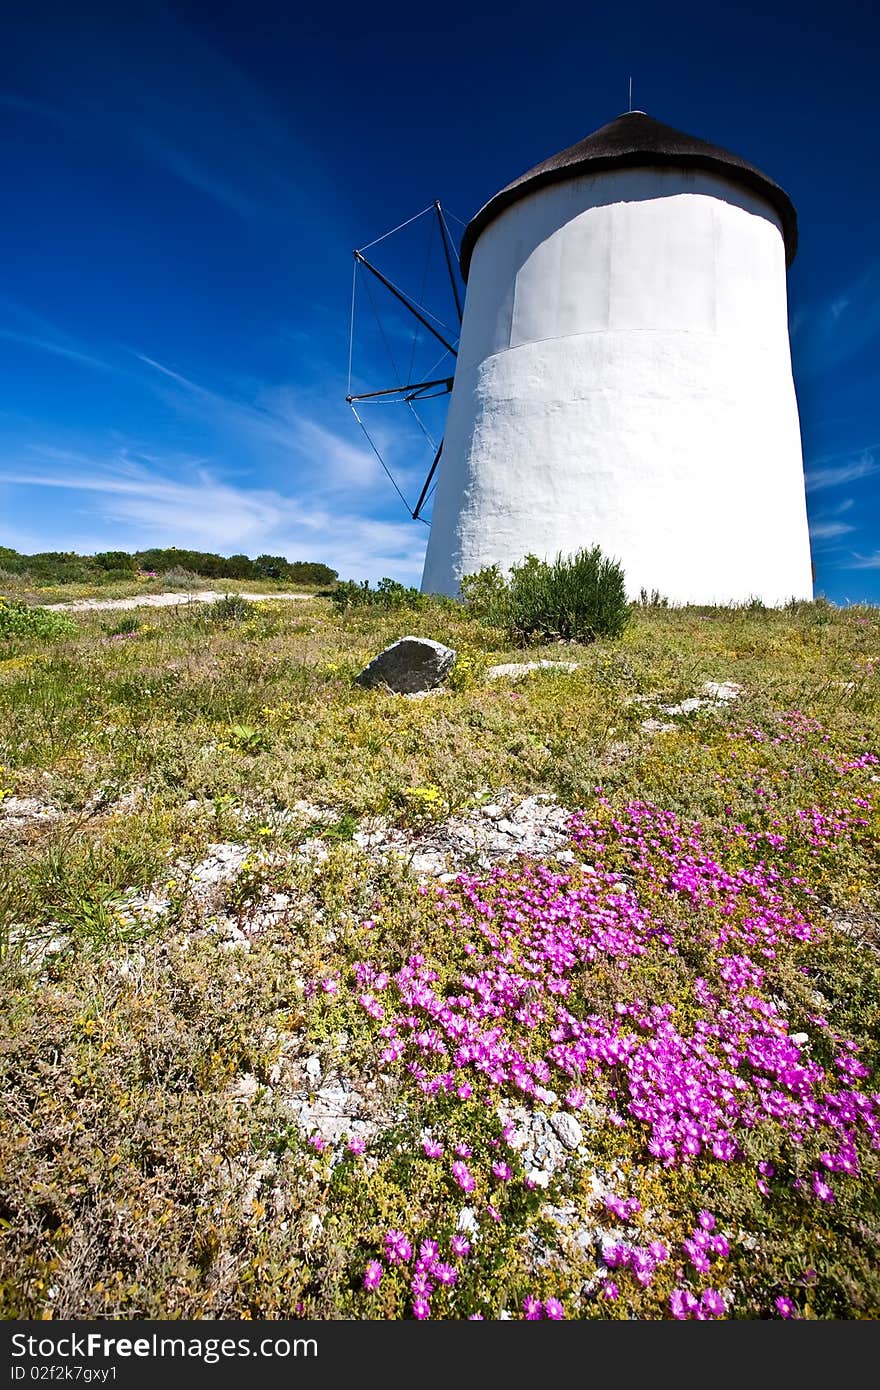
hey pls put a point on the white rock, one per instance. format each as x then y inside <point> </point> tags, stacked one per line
<point>312,1068</point>
<point>515,670</point>
<point>467,1221</point>
<point>684,707</point>
<point>567,1129</point>
<point>800,1038</point>
<point>722,690</point>
<point>245,1088</point>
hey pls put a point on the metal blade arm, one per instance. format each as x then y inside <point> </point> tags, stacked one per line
<point>447,251</point>
<point>398,294</point>
<point>424,492</point>
<point>415,386</point>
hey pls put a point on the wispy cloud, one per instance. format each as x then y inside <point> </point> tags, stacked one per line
<point>829,333</point>
<point>865,562</point>
<point>57,347</point>
<point>139,498</point>
<point>326,458</point>
<point>836,474</point>
<point>147,79</point>
<point>829,530</point>
<point>35,331</point>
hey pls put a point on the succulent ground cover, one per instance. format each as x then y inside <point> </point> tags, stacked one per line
<point>258,1060</point>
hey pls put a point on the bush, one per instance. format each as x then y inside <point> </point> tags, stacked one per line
<point>484,593</point>
<point>652,599</point>
<point>388,593</point>
<point>578,597</point>
<point>232,608</point>
<point>18,620</point>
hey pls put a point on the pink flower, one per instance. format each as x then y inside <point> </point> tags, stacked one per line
<point>397,1248</point>
<point>822,1189</point>
<point>463,1177</point>
<point>356,1145</point>
<point>421,1309</point>
<point>422,1286</point>
<point>432,1148</point>
<point>373,1275</point>
<point>445,1274</point>
<point>610,1291</point>
<point>707,1220</point>
<point>503,1171</point>
<point>429,1253</point>
<point>682,1303</point>
<point>317,1142</point>
<point>616,1256</point>
<point>330,986</point>
<point>462,1150</point>
<point>785,1308</point>
<point>553,1308</point>
<point>532,1308</point>
<point>461,1246</point>
<point>712,1303</point>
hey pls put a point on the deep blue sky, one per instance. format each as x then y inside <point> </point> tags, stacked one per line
<point>183,185</point>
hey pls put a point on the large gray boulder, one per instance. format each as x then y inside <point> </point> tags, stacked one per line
<point>409,666</point>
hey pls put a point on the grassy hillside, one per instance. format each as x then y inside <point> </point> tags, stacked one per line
<point>58,575</point>
<point>261,1041</point>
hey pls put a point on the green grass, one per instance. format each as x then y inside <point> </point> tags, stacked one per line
<point>135,1181</point>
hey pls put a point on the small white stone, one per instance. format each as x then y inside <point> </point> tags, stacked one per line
<point>722,690</point>
<point>312,1067</point>
<point>567,1129</point>
<point>538,1177</point>
<point>800,1038</point>
<point>467,1221</point>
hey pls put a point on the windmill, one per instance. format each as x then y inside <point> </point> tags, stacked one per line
<point>623,374</point>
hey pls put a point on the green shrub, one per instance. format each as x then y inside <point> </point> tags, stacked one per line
<point>484,593</point>
<point>578,597</point>
<point>18,620</point>
<point>388,593</point>
<point>652,599</point>
<point>231,608</point>
<point>124,628</point>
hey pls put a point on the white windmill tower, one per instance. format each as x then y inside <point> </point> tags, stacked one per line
<point>624,374</point>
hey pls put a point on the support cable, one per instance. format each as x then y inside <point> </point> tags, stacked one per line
<point>381,327</point>
<point>425,431</point>
<point>354,275</point>
<point>385,467</point>
<point>422,288</point>
<point>384,235</point>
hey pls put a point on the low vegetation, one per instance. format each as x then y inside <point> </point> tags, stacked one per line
<point>634,1078</point>
<point>112,566</point>
<point>577,598</point>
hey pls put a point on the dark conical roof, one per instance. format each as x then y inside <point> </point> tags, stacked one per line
<point>635,140</point>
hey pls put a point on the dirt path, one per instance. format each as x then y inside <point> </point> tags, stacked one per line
<point>88,605</point>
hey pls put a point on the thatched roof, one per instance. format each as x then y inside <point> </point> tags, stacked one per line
<point>636,140</point>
